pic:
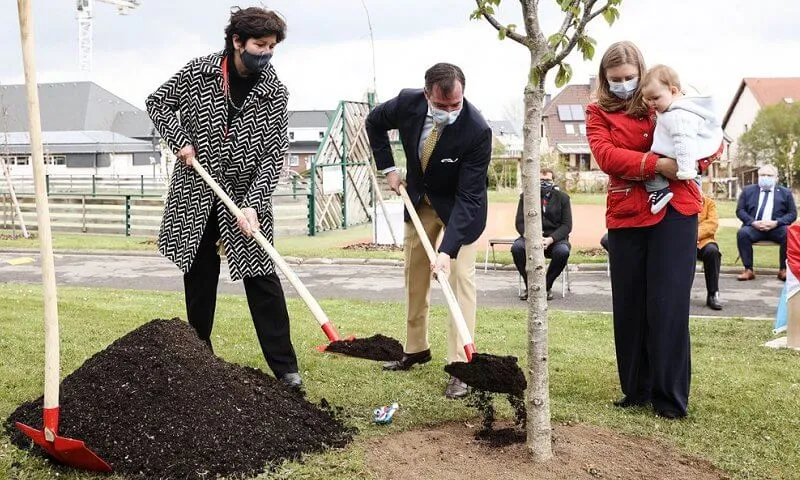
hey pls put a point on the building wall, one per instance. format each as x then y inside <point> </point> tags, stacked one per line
<point>742,117</point>
<point>306,134</point>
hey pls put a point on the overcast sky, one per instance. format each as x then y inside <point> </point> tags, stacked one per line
<point>327,55</point>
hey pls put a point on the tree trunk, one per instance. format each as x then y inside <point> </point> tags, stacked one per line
<point>537,398</point>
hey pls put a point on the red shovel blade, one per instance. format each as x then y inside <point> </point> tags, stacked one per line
<point>66,450</point>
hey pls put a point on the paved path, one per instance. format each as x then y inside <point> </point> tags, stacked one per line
<point>591,290</point>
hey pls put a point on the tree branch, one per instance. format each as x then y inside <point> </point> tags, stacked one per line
<point>521,39</point>
<point>587,16</point>
<point>567,20</point>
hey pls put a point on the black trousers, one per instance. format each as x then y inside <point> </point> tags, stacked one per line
<point>747,236</point>
<point>558,253</point>
<point>652,269</point>
<point>264,297</point>
<point>712,259</point>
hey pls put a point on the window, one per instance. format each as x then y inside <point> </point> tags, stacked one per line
<point>577,112</point>
<point>321,134</point>
<point>582,128</point>
<point>18,160</point>
<point>294,160</point>
<point>55,160</point>
<point>568,113</point>
<point>584,162</point>
<point>564,113</point>
<point>570,128</point>
<point>291,135</point>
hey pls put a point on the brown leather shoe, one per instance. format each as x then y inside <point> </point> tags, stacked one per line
<point>746,275</point>
<point>408,360</point>
<point>456,389</point>
<point>782,274</point>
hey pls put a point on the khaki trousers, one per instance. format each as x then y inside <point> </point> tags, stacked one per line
<point>418,286</point>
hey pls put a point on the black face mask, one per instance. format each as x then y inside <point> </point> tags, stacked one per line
<point>255,63</point>
<point>547,185</point>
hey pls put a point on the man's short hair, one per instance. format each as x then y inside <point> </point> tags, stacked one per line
<point>545,170</point>
<point>445,76</point>
<point>768,169</point>
<point>253,22</point>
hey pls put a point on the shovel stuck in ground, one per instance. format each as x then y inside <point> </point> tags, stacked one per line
<point>482,371</point>
<point>66,450</point>
<point>377,347</point>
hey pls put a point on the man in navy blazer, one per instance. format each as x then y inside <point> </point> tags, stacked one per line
<point>448,146</point>
<point>765,210</point>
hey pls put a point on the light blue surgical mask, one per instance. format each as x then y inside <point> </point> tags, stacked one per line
<point>443,117</point>
<point>624,90</point>
<point>766,183</point>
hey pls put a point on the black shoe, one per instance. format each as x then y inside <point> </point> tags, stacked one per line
<point>523,296</point>
<point>549,295</point>
<point>713,302</point>
<point>292,380</point>
<point>659,199</point>
<point>626,402</point>
<point>670,414</point>
<point>408,360</point>
<point>456,389</point>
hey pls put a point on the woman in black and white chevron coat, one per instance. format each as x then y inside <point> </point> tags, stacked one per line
<point>228,110</point>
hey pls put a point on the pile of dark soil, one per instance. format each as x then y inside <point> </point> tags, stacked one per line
<point>484,402</point>
<point>158,404</point>
<point>490,373</point>
<point>376,347</point>
<point>373,247</point>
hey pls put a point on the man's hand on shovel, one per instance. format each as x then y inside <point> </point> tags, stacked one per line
<point>442,263</point>
<point>248,222</point>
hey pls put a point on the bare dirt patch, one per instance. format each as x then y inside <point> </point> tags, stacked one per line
<point>373,247</point>
<point>451,451</point>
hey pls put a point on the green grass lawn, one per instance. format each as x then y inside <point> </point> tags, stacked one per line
<point>743,412</point>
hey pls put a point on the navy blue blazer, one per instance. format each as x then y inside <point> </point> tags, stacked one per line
<point>784,210</point>
<point>456,177</point>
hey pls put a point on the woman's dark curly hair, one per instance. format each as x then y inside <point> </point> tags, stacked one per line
<point>253,22</point>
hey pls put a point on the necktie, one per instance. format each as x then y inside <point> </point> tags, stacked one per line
<point>428,146</point>
<point>763,204</point>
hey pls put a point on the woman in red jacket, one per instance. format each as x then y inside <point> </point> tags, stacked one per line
<point>652,257</point>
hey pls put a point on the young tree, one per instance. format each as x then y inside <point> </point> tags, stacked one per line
<point>774,138</point>
<point>546,53</point>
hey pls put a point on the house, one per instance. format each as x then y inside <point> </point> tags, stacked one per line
<point>506,135</point>
<point>752,95</point>
<point>87,130</point>
<point>564,127</point>
<point>306,131</point>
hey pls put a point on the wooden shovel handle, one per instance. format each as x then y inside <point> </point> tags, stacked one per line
<point>452,302</point>
<point>51,336</point>
<point>301,289</point>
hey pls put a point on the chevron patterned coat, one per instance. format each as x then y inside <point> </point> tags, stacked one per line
<point>246,160</point>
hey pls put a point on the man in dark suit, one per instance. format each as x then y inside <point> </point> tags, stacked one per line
<point>556,227</point>
<point>448,146</point>
<point>765,210</point>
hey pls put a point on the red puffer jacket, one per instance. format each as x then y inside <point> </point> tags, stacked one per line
<point>621,147</point>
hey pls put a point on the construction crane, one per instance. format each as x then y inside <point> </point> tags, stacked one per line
<point>85,10</point>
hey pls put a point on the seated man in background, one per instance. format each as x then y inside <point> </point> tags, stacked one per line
<point>765,210</point>
<point>556,227</point>
<point>708,250</point>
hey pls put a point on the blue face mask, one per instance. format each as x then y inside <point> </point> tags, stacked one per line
<point>443,117</point>
<point>766,183</point>
<point>624,90</point>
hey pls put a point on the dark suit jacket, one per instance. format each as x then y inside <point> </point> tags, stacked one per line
<point>455,179</point>
<point>556,219</point>
<point>784,210</point>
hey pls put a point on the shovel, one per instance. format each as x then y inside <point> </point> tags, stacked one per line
<point>66,450</point>
<point>452,302</point>
<point>316,310</point>
<point>482,371</point>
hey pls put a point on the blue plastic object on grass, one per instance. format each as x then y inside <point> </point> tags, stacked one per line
<point>383,415</point>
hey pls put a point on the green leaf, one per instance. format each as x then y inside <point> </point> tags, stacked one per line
<point>611,14</point>
<point>555,39</point>
<point>501,33</point>
<point>585,45</point>
<point>564,74</point>
<point>564,4</point>
<point>511,27</point>
<point>534,76</point>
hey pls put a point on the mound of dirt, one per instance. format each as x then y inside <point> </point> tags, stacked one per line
<point>157,403</point>
<point>376,347</point>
